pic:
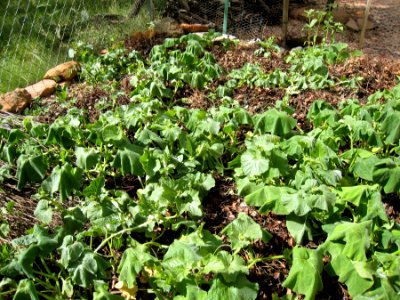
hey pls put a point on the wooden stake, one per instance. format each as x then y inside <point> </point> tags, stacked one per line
<point>285,20</point>
<point>365,23</point>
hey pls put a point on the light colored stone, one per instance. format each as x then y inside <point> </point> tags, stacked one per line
<point>169,27</point>
<point>352,24</point>
<point>370,23</point>
<point>42,88</point>
<point>341,15</point>
<point>66,71</point>
<point>15,101</point>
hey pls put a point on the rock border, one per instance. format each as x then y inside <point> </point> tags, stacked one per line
<point>20,98</point>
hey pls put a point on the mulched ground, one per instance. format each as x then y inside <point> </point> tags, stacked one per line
<point>221,206</point>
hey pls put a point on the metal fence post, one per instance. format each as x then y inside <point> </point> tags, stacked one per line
<point>226,10</point>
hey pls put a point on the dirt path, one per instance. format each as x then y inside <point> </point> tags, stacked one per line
<point>385,38</point>
<point>382,41</point>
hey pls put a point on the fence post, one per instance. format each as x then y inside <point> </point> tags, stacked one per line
<point>285,20</point>
<point>365,23</point>
<point>226,10</point>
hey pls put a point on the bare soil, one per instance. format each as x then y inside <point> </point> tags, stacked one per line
<point>379,68</point>
<point>382,41</point>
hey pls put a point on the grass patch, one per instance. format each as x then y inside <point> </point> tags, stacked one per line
<point>36,34</point>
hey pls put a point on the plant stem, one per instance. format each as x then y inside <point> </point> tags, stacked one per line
<point>255,261</point>
<point>126,230</point>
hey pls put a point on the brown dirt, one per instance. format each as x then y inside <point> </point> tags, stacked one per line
<point>381,41</point>
<point>221,206</point>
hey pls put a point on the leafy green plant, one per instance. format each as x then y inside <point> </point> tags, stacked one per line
<point>120,199</point>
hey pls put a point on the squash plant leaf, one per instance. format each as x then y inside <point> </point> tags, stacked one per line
<point>391,127</point>
<point>305,273</point>
<point>321,112</point>
<point>387,173</point>
<point>88,269</point>
<point>30,169</point>
<point>254,164</point>
<point>132,262</point>
<point>94,189</point>
<point>71,251</point>
<point>227,265</point>
<point>128,160</point>
<point>44,212</point>
<point>355,274</point>
<point>192,292</point>
<point>276,122</point>
<point>299,228</point>
<point>64,179</point>
<point>269,198</point>
<point>86,159</point>
<point>180,259</point>
<point>243,231</point>
<point>241,289</point>
<point>363,167</point>
<point>26,290</point>
<point>351,239</point>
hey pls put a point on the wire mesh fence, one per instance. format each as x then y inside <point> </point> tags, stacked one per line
<point>36,35</point>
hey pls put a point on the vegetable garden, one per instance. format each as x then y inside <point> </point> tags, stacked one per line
<point>197,169</point>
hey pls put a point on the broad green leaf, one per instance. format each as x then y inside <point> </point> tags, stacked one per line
<point>90,268</point>
<point>26,290</point>
<point>241,289</point>
<point>254,164</point>
<point>39,243</point>
<point>192,292</point>
<point>243,231</point>
<point>354,239</point>
<point>227,265</point>
<point>387,173</point>
<point>4,230</point>
<point>71,251</point>
<point>363,167</point>
<point>305,273</point>
<point>102,293</point>
<point>132,262</point>
<point>128,160</point>
<point>298,145</point>
<point>269,198</point>
<point>299,228</point>
<point>67,287</point>
<point>321,112</point>
<point>64,179</point>
<point>357,278</point>
<point>245,187</point>
<point>366,199</point>
<point>94,189</point>
<point>60,134</point>
<point>180,259</point>
<point>353,194</point>
<point>44,212</point>
<point>275,122</point>
<point>203,240</point>
<point>198,80</point>
<point>112,133</point>
<point>30,169</point>
<point>391,127</point>
<point>86,159</point>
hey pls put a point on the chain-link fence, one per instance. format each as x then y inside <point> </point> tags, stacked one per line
<point>35,35</point>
